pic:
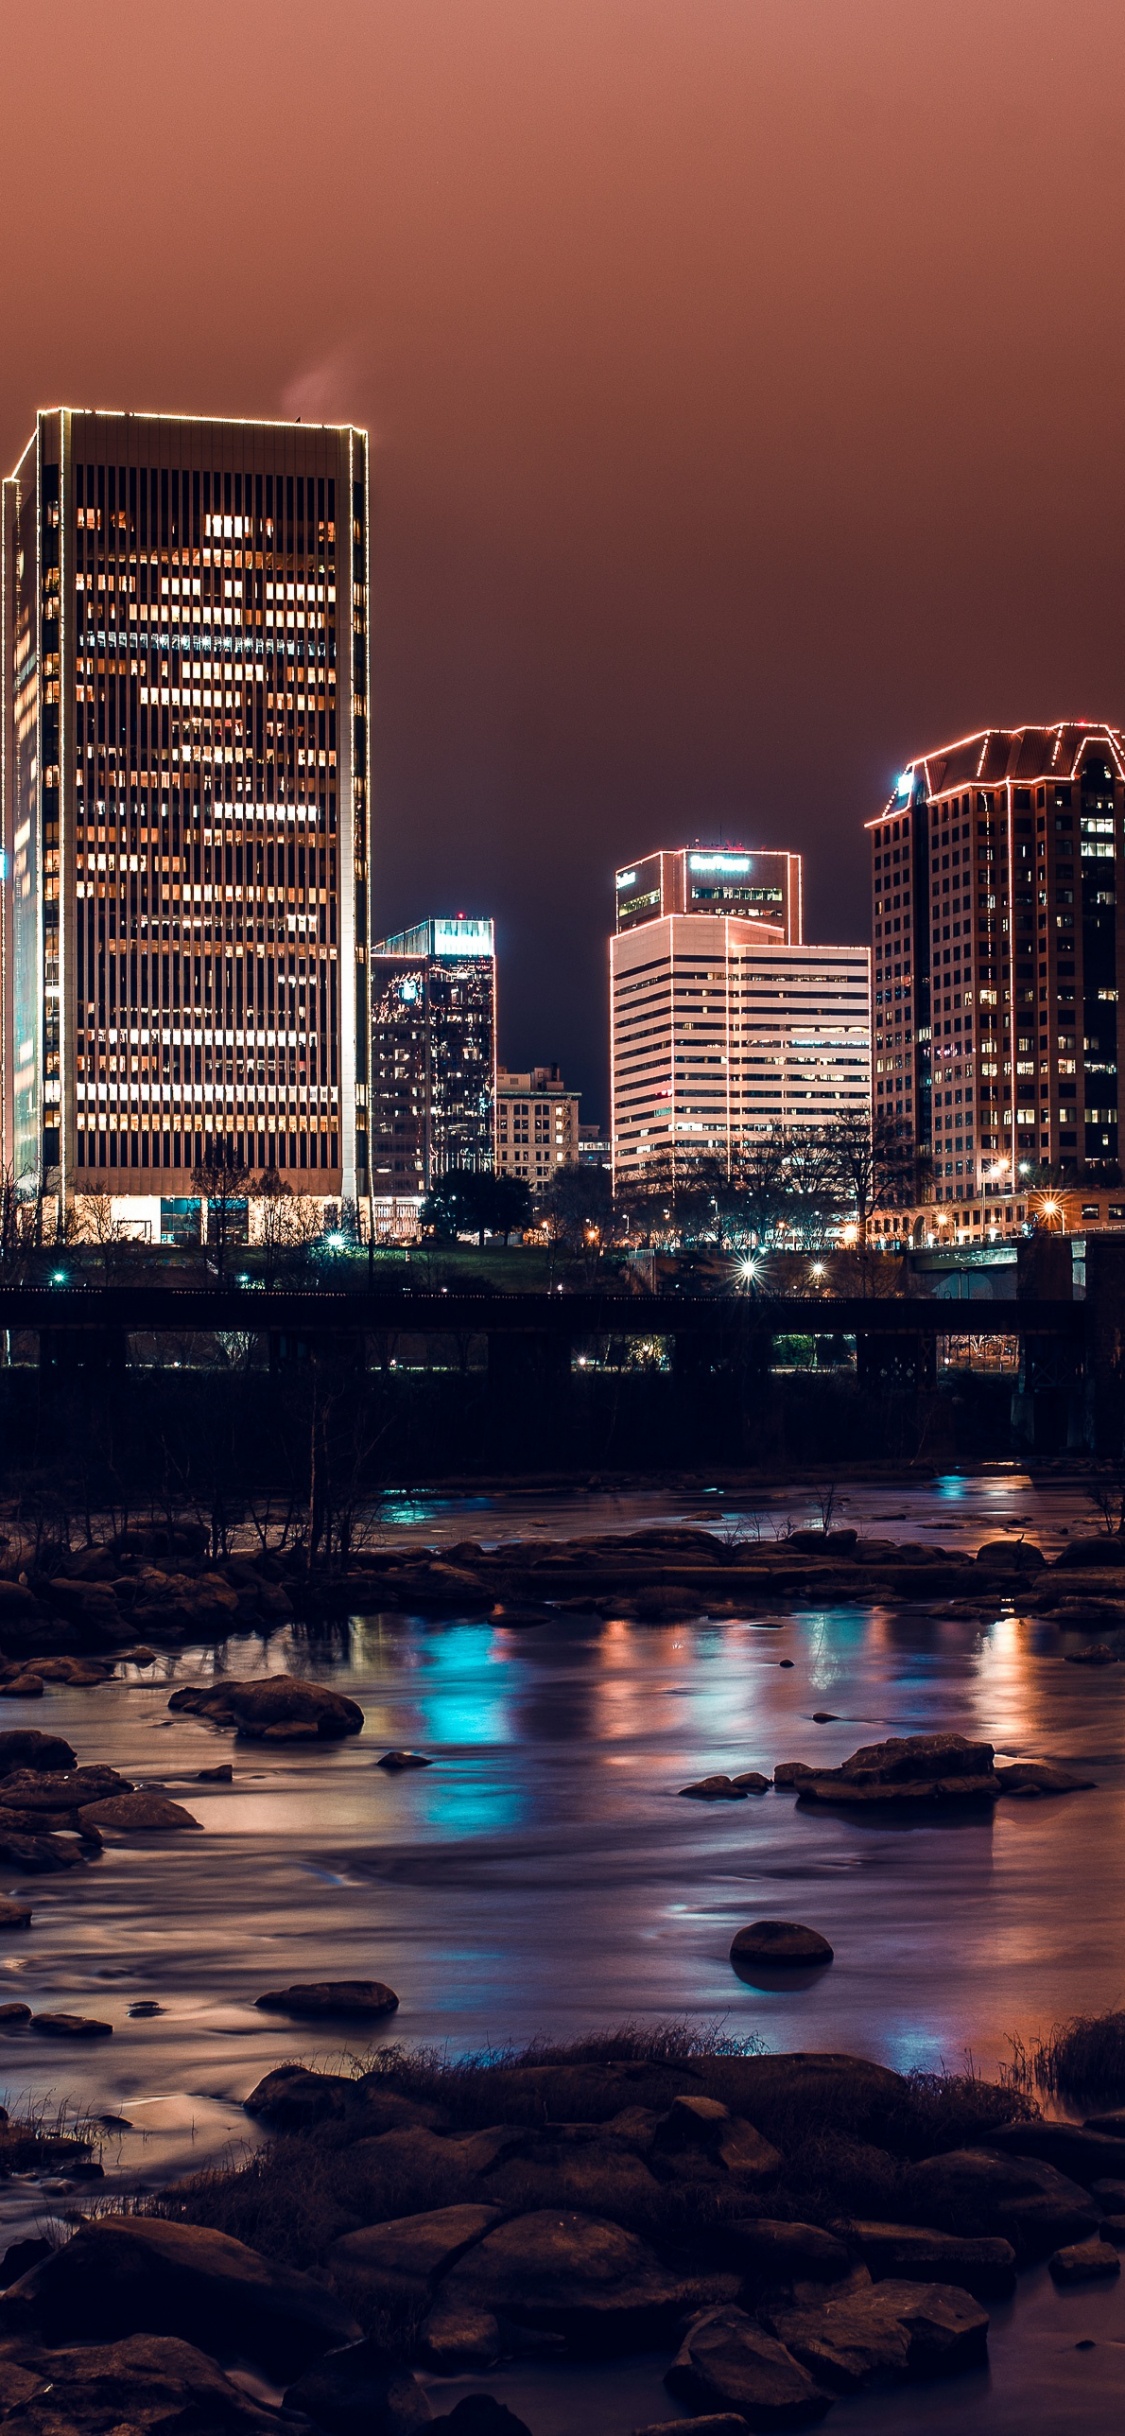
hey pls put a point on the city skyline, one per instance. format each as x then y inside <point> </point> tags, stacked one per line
<point>674,510</point>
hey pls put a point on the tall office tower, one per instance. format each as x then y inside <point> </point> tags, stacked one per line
<point>536,1124</point>
<point>765,887</point>
<point>722,1030</point>
<point>999,955</point>
<point>185,802</point>
<point>433,1033</point>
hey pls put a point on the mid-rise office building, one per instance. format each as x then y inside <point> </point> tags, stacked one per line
<point>185,682</point>
<point>433,1054</point>
<point>998,912</point>
<point>722,1031</point>
<point>536,1124</point>
<point>751,885</point>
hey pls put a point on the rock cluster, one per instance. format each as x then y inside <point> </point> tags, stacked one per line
<point>589,2206</point>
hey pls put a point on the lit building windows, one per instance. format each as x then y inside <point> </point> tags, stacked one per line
<point>192,798</point>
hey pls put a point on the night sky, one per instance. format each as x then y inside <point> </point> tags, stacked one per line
<point>747,380</point>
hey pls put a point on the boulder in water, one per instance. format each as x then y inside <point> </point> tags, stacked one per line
<point>137,1813</point>
<point>123,2275</point>
<point>940,1768</point>
<point>308,2000</point>
<point>728,2362</point>
<point>779,1941</point>
<point>267,1701</point>
<point>1085,2262</point>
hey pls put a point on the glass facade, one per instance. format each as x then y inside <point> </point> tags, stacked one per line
<point>433,1028</point>
<point>999,944</point>
<point>186,802</point>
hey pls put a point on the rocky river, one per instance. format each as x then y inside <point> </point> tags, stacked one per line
<point>542,1877</point>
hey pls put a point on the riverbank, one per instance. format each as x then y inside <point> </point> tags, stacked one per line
<point>543,1875</point>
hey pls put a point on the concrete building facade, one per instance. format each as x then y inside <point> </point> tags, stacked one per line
<point>537,1126</point>
<point>721,1031</point>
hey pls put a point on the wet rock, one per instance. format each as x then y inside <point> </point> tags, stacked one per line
<point>310,1999</point>
<point>878,2331</point>
<point>1021,2199</point>
<point>705,2140</point>
<point>136,1813</point>
<point>713,2423</point>
<point>983,2266</point>
<point>1085,2262</point>
<point>292,2099</point>
<point>25,1747</point>
<point>33,1789</point>
<point>751,1782</point>
<point>13,1913</point>
<point>70,2025</point>
<point>792,1771</point>
<point>1011,1556</point>
<point>398,1760</point>
<point>411,2168</point>
<point>1096,1553</point>
<point>85,1674</point>
<point>727,2362</point>
<point>16,1602</point>
<point>821,1543</point>
<point>14,2017</point>
<point>1097,1655</point>
<point>124,2275</point>
<point>266,1701</point>
<point>360,2391</point>
<point>779,1941</point>
<point>714,1789</point>
<point>1029,1779</point>
<point>144,2383</point>
<point>780,2252</point>
<point>40,1854</point>
<point>21,1687</point>
<point>916,1768</point>
<point>18,2257</point>
<point>400,2261</point>
<point>479,2415</point>
<point>1086,2155</point>
<point>563,2273</point>
<point>222,1775</point>
<point>572,2165</point>
<point>456,2340</point>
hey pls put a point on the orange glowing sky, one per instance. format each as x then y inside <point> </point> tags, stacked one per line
<point>747,376</point>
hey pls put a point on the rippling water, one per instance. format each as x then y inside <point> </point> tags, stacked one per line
<point>543,1877</point>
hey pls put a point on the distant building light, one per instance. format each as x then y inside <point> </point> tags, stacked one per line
<point>625,879</point>
<point>719,862</point>
<point>461,938</point>
<point>905,785</point>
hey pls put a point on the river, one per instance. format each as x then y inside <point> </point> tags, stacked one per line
<point>542,1877</point>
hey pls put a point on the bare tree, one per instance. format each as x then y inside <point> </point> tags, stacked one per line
<point>224,1180</point>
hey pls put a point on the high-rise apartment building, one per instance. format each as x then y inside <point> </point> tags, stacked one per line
<point>185,803</point>
<point>536,1124</point>
<point>722,1031</point>
<point>753,886</point>
<point>433,1051</point>
<point>1000,953</point>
